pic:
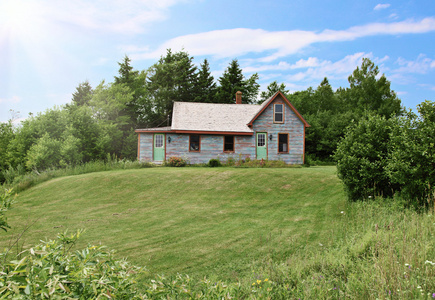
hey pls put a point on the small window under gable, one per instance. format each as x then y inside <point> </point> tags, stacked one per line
<point>194,143</point>
<point>229,143</point>
<point>278,113</point>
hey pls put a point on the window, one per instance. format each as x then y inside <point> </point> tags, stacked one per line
<point>261,139</point>
<point>278,115</point>
<point>229,143</point>
<point>283,142</point>
<point>159,140</point>
<point>194,143</point>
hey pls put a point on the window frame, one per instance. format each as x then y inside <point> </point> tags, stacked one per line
<point>288,146</point>
<point>199,143</point>
<point>275,113</point>
<point>224,143</point>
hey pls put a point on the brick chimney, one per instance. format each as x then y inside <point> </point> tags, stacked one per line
<point>239,97</point>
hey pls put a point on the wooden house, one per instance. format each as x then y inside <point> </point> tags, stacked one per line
<point>199,132</point>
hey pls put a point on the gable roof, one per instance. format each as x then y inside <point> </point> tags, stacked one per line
<point>270,100</point>
<point>194,117</point>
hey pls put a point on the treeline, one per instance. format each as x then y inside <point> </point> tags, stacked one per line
<point>101,120</point>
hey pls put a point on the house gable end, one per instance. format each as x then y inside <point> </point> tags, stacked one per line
<point>270,101</point>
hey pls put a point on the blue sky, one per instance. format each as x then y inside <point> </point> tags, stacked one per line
<point>47,47</point>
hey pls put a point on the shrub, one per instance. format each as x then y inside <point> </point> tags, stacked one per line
<point>52,270</point>
<point>362,157</point>
<point>214,162</point>
<point>175,161</point>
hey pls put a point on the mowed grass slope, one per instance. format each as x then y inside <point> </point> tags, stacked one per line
<point>199,221</point>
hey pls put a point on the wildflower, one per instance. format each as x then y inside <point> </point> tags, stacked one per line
<point>433,295</point>
<point>253,283</point>
<point>258,281</point>
<point>266,279</point>
<point>342,212</point>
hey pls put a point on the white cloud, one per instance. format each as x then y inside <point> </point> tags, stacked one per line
<point>240,41</point>
<point>381,6</point>
<point>127,17</point>
<point>419,66</point>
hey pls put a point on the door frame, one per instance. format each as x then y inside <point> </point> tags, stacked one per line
<point>265,144</point>
<point>164,145</point>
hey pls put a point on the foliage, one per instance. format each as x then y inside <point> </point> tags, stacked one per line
<point>214,162</point>
<point>272,88</point>
<point>83,94</point>
<point>362,158</point>
<point>53,270</point>
<point>6,135</point>
<point>21,180</point>
<point>380,156</point>
<point>206,87</point>
<point>175,161</point>
<point>232,81</point>
<point>412,161</point>
<point>6,200</point>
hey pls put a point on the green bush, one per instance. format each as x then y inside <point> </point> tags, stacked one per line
<point>362,158</point>
<point>214,162</point>
<point>175,161</point>
<point>51,270</point>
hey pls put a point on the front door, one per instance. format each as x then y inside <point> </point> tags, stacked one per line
<point>261,145</point>
<point>159,147</point>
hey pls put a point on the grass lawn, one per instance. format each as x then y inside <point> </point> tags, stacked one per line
<point>198,221</point>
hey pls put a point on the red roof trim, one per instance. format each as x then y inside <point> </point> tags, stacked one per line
<point>195,132</point>
<point>286,101</point>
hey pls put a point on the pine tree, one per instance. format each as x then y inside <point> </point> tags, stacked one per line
<point>232,80</point>
<point>83,94</point>
<point>205,87</point>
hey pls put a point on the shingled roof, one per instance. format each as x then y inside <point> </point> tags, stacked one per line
<point>216,118</point>
<point>213,117</point>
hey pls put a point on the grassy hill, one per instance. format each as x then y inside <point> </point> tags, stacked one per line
<point>288,230</point>
<point>198,221</point>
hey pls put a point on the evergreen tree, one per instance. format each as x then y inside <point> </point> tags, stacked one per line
<point>271,90</point>
<point>232,80</point>
<point>83,94</point>
<point>205,87</point>
<point>172,78</point>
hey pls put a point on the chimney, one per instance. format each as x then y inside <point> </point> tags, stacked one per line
<point>239,97</point>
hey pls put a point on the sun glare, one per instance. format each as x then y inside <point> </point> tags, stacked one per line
<point>18,17</point>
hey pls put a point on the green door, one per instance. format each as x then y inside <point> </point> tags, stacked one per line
<point>159,147</point>
<point>261,145</point>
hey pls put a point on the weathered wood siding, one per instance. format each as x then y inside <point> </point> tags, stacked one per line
<point>212,146</point>
<point>292,125</point>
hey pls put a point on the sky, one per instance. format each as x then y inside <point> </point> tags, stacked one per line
<point>48,47</point>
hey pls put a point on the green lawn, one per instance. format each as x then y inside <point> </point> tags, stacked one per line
<point>198,221</point>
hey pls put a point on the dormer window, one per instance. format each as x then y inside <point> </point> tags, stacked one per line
<point>278,113</point>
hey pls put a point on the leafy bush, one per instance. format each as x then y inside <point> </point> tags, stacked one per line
<point>214,162</point>
<point>175,161</point>
<point>6,200</point>
<point>52,270</point>
<point>362,157</point>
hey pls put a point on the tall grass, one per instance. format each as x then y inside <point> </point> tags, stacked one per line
<point>376,251</point>
<point>20,180</point>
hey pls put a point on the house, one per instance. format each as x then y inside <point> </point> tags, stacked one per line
<point>199,132</point>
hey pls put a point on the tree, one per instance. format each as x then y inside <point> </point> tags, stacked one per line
<point>272,88</point>
<point>172,78</point>
<point>83,94</point>
<point>6,136</point>
<point>205,87</point>
<point>367,92</point>
<point>232,81</point>
<point>126,73</point>
<point>412,161</point>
